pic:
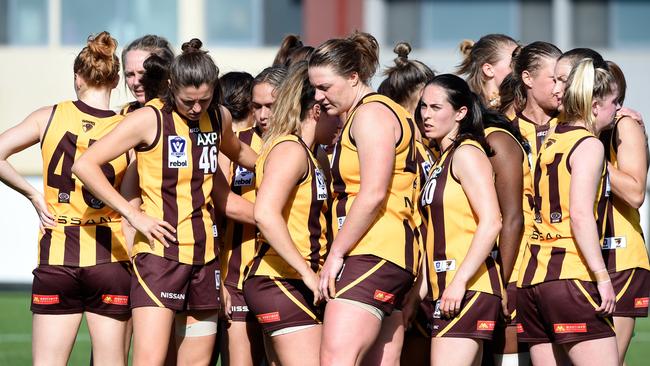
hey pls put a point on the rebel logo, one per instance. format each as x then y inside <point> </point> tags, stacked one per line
<point>177,152</point>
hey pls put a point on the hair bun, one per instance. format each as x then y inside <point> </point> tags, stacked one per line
<point>194,45</point>
<point>102,45</point>
<point>402,50</point>
<point>466,46</point>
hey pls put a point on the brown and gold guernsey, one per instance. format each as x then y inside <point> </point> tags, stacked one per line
<point>451,226</point>
<point>552,253</point>
<point>425,160</point>
<point>527,204</point>
<point>239,239</point>
<point>392,235</point>
<point>130,107</point>
<point>304,214</point>
<point>176,173</point>
<point>533,133</point>
<point>623,246</point>
<point>87,232</point>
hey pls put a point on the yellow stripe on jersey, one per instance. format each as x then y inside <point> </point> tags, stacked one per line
<point>176,174</point>
<point>451,227</point>
<point>87,232</point>
<point>533,133</point>
<point>552,252</point>
<point>624,245</point>
<point>304,214</point>
<point>392,234</point>
<point>240,239</point>
<point>527,204</point>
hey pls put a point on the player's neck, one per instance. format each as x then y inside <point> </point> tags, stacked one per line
<point>95,97</point>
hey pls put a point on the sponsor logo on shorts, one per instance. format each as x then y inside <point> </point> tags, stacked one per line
<point>436,311</point>
<point>520,328</point>
<point>384,296</point>
<point>641,302</point>
<point>45,299</point>
<point>485,325</point>
<point>177,152</point>
<point>269,317</point>
<point>560,328</point>
<point>115,299</point>
<point>614,242</point>
<point>239,309</point>
<point>217,278</point>
<point>172,296</point>
<point>338,277</point>
<point>445,265</point>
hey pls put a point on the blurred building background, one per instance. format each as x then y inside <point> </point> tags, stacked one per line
<point>40,38</point>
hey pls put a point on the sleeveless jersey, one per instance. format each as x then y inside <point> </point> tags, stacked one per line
<point>552,253</point>
<point>527,204</point>
<point>623,246</point>
<point>239,239</point>
<point>425,160</point>
<point>87,232</point>
<point>304,214</point>
<point>392,234</point>
<point>130,107</point>
<point>451,226</point>
<point>533,133</point>
<point>176,173</point>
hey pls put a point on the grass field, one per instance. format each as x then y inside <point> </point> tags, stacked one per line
<point>15,335</point>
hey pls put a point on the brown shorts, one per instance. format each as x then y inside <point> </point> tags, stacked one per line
<point>632,287</point>
<point>420,325</point>
<point>102,289</point>
<point>281,303</point>
<point>561,311</point>
<point>374,281</point>
<point>499,339</point>
<point>161,282</point>
<point>238,307</point>
<point>477,318</point>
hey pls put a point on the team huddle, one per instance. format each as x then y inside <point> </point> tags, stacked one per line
<point>297,217</point>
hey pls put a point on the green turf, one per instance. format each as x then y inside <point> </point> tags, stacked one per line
<point>15,335</point>
<point>15,332</point>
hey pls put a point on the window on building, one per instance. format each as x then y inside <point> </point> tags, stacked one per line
<point>126,20</point>
<point>23,22</point>
<point>629,23</point>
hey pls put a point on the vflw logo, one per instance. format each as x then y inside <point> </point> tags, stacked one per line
<point>177,152</point>
<point>243,177</point>
<point>321,186</point>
